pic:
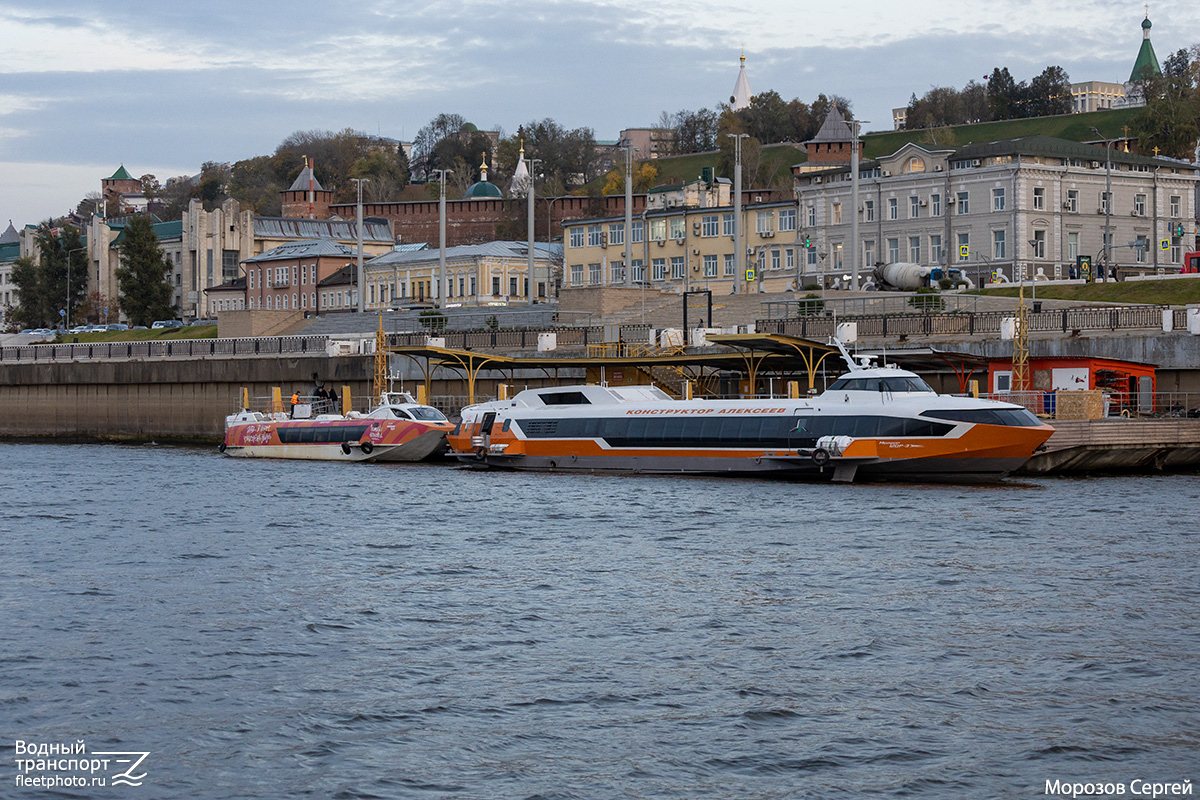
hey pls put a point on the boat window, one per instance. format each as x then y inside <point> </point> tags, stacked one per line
<point>400,413</point>
<point>564,399</point>
<point>729,431</point>
<point>507,424</point>
<point>1016,417</point>
<point>892,383</point>
<point>348,433</point>
<point>906,383</point>
<point>865,427</point>
<point>427,414</point>
<point>322,434</point>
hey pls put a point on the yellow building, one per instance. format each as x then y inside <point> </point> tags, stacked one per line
<point>493,273</point>
<point>689,247</point>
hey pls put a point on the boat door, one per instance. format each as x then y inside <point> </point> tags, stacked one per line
<point>485,428</point>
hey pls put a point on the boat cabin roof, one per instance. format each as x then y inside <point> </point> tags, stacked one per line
<point>588,395</point>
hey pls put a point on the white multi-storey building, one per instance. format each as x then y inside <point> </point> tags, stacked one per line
<point>1014,207</point>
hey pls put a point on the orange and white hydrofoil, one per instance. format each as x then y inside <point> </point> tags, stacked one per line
<point>872,423</point>
<point>397,429</point>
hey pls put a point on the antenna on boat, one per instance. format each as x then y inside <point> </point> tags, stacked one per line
<point>850,360</point>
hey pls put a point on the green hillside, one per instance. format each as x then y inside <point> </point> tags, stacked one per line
<point>1076,127</point>
<point>779,158</point>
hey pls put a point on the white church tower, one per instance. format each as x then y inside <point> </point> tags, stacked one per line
<point>741,90</point>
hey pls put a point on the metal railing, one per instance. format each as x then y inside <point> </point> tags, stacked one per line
<point>810,326</point>
<point>523,339</point>
<point>1100,403</point>
<point>955,323</point>
<point>183,348</point>
<point>868,305</point>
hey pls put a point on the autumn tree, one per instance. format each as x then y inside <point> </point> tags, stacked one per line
<point>145,293</point>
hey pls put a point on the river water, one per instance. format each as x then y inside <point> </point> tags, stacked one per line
<point>291,629</point>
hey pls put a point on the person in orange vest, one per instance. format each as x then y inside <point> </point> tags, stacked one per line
<point>295,401</point>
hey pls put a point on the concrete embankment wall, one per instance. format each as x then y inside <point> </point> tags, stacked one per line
<point>160,400</point>
<point>187,400</point>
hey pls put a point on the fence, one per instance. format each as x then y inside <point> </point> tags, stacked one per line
<point>1097,404</point>
<point>955,323</point>
<point>183,348</point>
<point>813,326</point>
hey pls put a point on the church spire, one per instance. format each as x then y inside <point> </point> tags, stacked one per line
<point>741,89</point>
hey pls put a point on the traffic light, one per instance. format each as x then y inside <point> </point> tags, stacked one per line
<point>807,241</point>
<point>1179,229</point>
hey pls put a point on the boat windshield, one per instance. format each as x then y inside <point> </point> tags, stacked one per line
<point>426,414</point>
<point>1016,417</point>
<point>891,383</point>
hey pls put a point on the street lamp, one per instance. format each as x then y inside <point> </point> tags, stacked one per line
<point>530,283</point>
<point>362,287</point>
<point>738,246</point>
<point>821,255</point>
<point>441,233</point>
<point>1107,199</point>
<point>629,150</point>
<point>1033,254</point>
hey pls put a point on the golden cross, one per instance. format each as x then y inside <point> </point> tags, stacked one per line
<point>1155,149</point>
<point>1126,129</point>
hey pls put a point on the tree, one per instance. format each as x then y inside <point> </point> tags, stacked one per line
<point>58,280</point>
<point>98,307</point>
<point>211,190</point>
<point>29,313</point>
<point>1002,94</point>
<point>568,157</point>
<point>767,118</point>
<point>1049,94</point>
<point>142,276</point>
<point>645,177</point>
<point>175,194</point>
<point>255,184</point>
<point>439,128</point>
<point>1170,120</point>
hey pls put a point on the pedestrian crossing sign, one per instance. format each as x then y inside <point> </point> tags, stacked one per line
<point>964,251</point>
<point>750,273</point>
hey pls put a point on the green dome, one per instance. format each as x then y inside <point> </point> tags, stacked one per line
<point>1146,23</point>
<point>482,189</point>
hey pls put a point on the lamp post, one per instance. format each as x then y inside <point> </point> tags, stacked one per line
<point>821,255</point>
<point>738,245</point>
<point>68,305</point>
<point>854,244</point>
<point>550,201</point>
<point>441,235</point>
<point>1033,254</point>
<point>1107,200</point>
<point>530,282</point>
<point>362,286</point>
<point>628,148</point>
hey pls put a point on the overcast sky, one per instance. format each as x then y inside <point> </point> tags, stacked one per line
<point>162,87</point>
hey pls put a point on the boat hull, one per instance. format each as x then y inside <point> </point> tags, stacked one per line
<point>376,440</point>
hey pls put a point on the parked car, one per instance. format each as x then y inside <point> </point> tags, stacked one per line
<point>80,329</point>
<point>202,321</point>
<point>167,323</point>
<point>116,326</point>
<point>138,328</point>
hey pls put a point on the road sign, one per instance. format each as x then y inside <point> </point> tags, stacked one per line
<point>750,273</point>
<point>62,312</point>
<point>964,251</point>
<point>1164,244</point>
